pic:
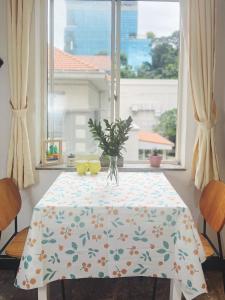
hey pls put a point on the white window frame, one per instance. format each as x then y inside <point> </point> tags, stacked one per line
<point>42,7</point>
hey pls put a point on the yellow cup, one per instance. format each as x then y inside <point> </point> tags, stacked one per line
<point>82,167</point>
<point>94,166</point>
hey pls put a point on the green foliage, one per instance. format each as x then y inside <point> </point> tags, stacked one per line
<point>123,59</point>
<point>164,58</point>
<point>150,35</point>
<point>155,152</point>
<point>167,124</point>
<point>112,139</point>
<point>127,72</point>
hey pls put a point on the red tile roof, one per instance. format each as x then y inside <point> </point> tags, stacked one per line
<point>153,137</point>
<point>70,63</point>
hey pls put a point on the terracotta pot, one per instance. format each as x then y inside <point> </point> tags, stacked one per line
<point>155,160</point>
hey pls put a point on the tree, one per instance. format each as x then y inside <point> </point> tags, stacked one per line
<point>123,59</point>
<point>164,54</point>
<point>126,71</point>
<point>167,125</point>
<point>150,35</point>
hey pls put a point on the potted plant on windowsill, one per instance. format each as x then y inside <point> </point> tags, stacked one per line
<point>111,140</point>
<point>155,158</point>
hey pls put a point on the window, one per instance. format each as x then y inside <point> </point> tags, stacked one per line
<point>110,59</point>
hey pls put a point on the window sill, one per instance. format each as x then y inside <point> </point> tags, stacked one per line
<point>125,168</point>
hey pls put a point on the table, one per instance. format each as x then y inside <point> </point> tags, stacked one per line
<point>83,228</point>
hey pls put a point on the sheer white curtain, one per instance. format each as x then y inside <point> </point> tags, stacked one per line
<point>198,25</point>
<point>19,13</point>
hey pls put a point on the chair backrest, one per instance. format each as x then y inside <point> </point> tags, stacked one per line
<point>10,202</point>
<point>212,204</point>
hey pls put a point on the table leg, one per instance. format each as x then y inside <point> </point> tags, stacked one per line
<point>42,293</point>
<point>175,291</point>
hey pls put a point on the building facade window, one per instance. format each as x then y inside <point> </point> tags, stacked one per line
<point>110,59</point>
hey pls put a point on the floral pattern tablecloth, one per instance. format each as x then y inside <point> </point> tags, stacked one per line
<point>83,228</point>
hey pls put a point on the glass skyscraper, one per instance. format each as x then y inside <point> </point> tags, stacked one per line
<point>88,30</point>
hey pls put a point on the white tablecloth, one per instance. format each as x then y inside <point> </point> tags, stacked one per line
<point>83,228</point>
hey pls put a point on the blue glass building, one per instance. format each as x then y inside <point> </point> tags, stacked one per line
<point>88,30</point>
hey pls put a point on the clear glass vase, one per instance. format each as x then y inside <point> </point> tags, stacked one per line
<point>113,174</point>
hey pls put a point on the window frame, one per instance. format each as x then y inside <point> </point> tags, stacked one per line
<point>115,73</point>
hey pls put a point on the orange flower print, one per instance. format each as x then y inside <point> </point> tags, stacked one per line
<point>38,271</point>
<point>133,251</point>
<point>102,261</point>
<point>152,246</point>
<point>123,237</point>
<point>85,267</point>
<point>49,212</point>
<point>187,239</point>
<point>28,283</point>
<point>177,267</point>
<point>131,221</point>
<point>31,242</point>
<point>112,211</point>
<point>191,269</point>
<point>61,247</point>
<point>188,222</point>
<point>42,256</point>
<point>38,224</point>
<point>157,231</point>
<point>196,252</point>
<point>119,273</point>
<point>97,221</point>
<point>66,232</point>
<point>96,237</point>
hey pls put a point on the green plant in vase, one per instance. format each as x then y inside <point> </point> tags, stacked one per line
<point>111,140</point>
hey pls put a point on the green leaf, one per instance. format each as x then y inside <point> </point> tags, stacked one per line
<point>46,276</point>
<point>52,275</point>
<point>144,240</point>
<point>70,252</point>
<point>29,258</point>
<point>143,271</point>
<point>166,244</point>
<point>161,251</point>
<point>166,257</point>
<point>74,245</point>
<point>26,265</point>
<point>137,270</point>
<point>116,257</point>
<point>75,258</point>
<point>101,275</point>
<point>189,283</point>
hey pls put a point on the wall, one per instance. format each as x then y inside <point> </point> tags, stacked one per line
<point>181,180</point>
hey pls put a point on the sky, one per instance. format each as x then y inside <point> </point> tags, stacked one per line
<point>161,18</point>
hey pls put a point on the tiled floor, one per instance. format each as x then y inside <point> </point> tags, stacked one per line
<point>139,288</point>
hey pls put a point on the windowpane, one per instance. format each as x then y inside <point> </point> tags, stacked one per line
<point>79,80</point>
<point>149,46</point>
<point>80,73</point>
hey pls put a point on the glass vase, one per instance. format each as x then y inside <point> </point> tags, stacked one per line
<point>113,174</point>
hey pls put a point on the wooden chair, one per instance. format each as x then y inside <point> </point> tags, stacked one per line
<point>10,205</point>
<point>212,207</point>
